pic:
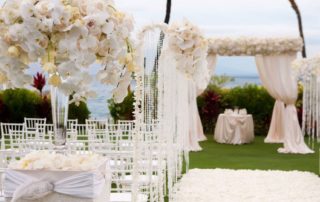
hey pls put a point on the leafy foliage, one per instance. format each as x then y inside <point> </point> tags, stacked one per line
<point>19,103</point>
<point>80,112</point>
<point>124,110</point>
<point>221,81</point>
<point>209,109</point>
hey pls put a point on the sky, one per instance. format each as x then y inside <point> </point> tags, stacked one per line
<point>234,18</point>
<point>260,18</point>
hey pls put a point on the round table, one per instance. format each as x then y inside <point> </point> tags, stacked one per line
<point>234,129</point>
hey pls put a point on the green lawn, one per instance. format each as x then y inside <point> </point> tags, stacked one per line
<point>257,155</point>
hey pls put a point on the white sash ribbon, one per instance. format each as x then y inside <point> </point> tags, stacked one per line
<point>18,185</point>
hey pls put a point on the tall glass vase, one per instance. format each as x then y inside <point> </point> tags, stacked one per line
<point>60,106</point>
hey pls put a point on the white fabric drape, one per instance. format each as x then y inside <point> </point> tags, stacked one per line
<point>200,86</point>
<point>39,185</point>
<point>275,134</point>
<point>195,127</point>
<point>276,77</point>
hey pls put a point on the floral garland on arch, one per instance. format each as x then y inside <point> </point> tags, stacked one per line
<point>66,37</point>
<point>190,47</point>
<point>254,46</point>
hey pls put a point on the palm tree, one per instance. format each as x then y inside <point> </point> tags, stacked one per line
<point>297,11</point>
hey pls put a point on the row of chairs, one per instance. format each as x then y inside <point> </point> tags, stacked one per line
<point>129,158</point>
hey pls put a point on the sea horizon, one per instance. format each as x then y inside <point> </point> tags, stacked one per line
<point>99,107</point>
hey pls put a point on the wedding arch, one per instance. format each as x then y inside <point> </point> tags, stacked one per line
<point>170,77</point>
<point>273,59</point>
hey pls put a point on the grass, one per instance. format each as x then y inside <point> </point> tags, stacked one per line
<point>256,155</point>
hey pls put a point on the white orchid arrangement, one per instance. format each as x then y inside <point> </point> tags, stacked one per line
<point>189,45</point>
<point>254,46</point>
<point>66,37</point>
<point>307,67</point>
<point>45,160</point>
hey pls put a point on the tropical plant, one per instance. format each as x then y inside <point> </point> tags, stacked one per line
<point>209,109</point>
<point>39,81</point>
<point>221,80</point>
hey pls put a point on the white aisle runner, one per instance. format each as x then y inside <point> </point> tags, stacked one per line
<point>223,185</point>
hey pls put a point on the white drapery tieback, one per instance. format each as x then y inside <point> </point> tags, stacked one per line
<point>19,186</point>
<point>291,127</point>
<point>276,133</point>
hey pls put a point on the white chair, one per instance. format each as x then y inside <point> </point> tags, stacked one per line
<point>44,131</point>
<point>5,128</point>
<point>72,129</point>
<point>31,124</point>
<point>96,128</point>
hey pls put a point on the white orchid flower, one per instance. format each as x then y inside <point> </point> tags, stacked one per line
<point>88,43</point>
<point>67,69</point>
<point>95,22</point>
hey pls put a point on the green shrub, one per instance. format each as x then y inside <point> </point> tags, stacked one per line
<point>20,103</point>
<point>15,104</point>
<point>80,112</point>
<point>124,110</point>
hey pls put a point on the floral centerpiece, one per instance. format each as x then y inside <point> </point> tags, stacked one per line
<point>66,37</point>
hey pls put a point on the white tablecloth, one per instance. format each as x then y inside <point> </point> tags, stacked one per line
<point>234,129</point>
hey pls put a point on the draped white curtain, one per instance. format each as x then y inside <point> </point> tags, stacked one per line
<point>196,88</point>
<point>276,77</point>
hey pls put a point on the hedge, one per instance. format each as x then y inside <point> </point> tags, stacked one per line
<point>15,104</point>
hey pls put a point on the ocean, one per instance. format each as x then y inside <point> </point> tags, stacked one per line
<point>99,107</point>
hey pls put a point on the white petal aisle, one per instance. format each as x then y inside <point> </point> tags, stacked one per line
<point>206,185</point>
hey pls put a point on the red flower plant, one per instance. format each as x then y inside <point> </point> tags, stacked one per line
<point>39,81</point>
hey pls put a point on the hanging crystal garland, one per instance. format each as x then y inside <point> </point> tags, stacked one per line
<point>309,72</point>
